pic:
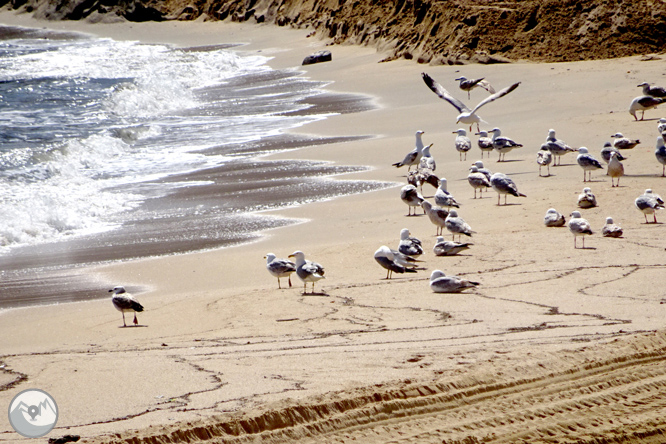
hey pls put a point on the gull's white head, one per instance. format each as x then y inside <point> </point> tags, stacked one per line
<point>299,256</point>
<point>482,133</point>
<point>440,239</point>
<point>478,164</point>
<point>576,215</point>
<point>587,190</point>
<point>270,257</point>
<point>582,150</point>
<point>453,213</point>
<point>609,220</point>
<point>117,290</point>
<point>551,133</point>
<point>404,233</point>
<point>618,135</point>
<point>551,211</point>
<point>460,132</point>
<point>474,169</point>
<point>436,275</point>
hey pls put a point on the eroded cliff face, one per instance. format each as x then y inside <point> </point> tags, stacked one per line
<point>428,31</point>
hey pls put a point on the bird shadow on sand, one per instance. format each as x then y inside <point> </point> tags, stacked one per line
<point>510,160</point>
<point>652,223</point>
<point>585,248</point>
<point>508,204</point>
<point>648,120</point>
<point>317,293</point>
<point>132,326</point>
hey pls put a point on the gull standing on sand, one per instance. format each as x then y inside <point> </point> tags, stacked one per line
<point>615,169</point>
<point>610,229</point>
<point>587,199</point>
<point>440,283</point>
<point>502,144</point>
<point>409,245</point>
<point>644,103</point>
<point>463,143</point>
<point>125,302</point>
<point>457,225</point>
<point>477,180</point>
<point>466,116</point>
<point>607,150</point>
<point>624,143</point>
<point>503,184</point>
<point>437,216</point>
<point>427,161</point>
<point>469,84</point>
<point>544,158</point>
<point>307,270</point>
<point>443,198</point>
<point>448,248</point>
<point>660,154</point>
<point>553,218</point>
<point>410,195</point>
<point>279,267</point>
<point>414,156</point>
<point>485,142</point>
<point>654,91</point>
<point>587,162</point>
<point>649,203</point>
<point>385,257</point>
<point>485,171</point>
<point>557,147</point>
<point>661,126</point>
<point>579,227</point>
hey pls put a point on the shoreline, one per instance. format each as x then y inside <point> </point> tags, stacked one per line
<point>229,346</point>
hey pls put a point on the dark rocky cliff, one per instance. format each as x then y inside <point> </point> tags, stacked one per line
<point>428,31</point>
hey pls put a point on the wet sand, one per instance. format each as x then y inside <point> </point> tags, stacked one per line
<point>556,345</point>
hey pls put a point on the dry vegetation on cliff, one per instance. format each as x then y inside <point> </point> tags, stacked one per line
<point>429,31</point>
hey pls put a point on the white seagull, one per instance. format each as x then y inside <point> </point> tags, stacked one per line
<point>649,203</point>
<point>440,283</point>
<point>644,103</point>
<point>503,184</point>
<point>466,116</point>
<point>502,144</point>
<point>587,199</point>
<point>437,216</point>
<point>607,150</point>
<point>554,218</point>
<point>307,270</point>
<point>477,180</point>
<point>443,198</point>
<point>660,154</point>
<point>661,126</point>
<point>448,248</point>
<point>463,143</point>
<point>544,158</point>
<point>610,229</point>
<point>615,169</point>
<point>557,147</point>
<point>385,257</point>
<point>125,302</point>
<point>414,156</point>
<point>485,142</point>
<point>479,166</point>
<point>410,195</point>
<point>279,267</point>
<point>457,225</point>
<point>579,227</point>
<point>587,162</point>
<point>427,161</point>
<point>624,143</point>
<point>469,84</point>
<point>654,91</point>
<point>409,245</point>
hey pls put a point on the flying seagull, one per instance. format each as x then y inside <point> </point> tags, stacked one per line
<point>466,116</point>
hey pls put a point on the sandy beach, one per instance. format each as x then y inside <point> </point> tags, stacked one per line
<point>555,345</point>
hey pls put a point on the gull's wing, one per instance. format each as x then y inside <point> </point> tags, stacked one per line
<point>443,93</point>
<point>497,95</point>
<point>486,85</point>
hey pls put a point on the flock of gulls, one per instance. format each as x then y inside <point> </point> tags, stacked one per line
<point>443,213</point>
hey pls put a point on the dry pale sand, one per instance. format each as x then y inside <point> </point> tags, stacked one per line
<point>556,345</point>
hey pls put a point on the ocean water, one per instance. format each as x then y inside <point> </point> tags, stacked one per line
<point>112,150</point>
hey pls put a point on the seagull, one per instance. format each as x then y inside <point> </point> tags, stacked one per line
<point>654,91</point>
<point>437,216</point>
<point>279,267</point>
<point>384,257</point>
<point>624,143</point>
<point>307,270</point>
<point>553,218</point>
<point>463,143</point>
<point>448,248</point>
<point>123,301</point>
<point>440,283</point>
<point>502,144</point>
<point>649,203</point>
<point>443,198</point>
<point>466,116</point>
<point>586,199</point>
<point>479,166</point>
<point>610,229</point>
<point>427,161</point>
<point>661,127</point>
<point>469,84</point>
<point>606,152</point>
<point>457,225</point>
<point>421,176</point>
<point>504,185</point>
<point>579,227</point>
<point>587,162</point>
<point>414,156</point>
<point>660,154</point>
<point>544,158</point>
<point>477,180</point>
<point>557,147</point>
<point>485,143</point>
<point>410,195</point>
<point>643,103</point>
<point>409,245</point>
<point>615,169</point>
